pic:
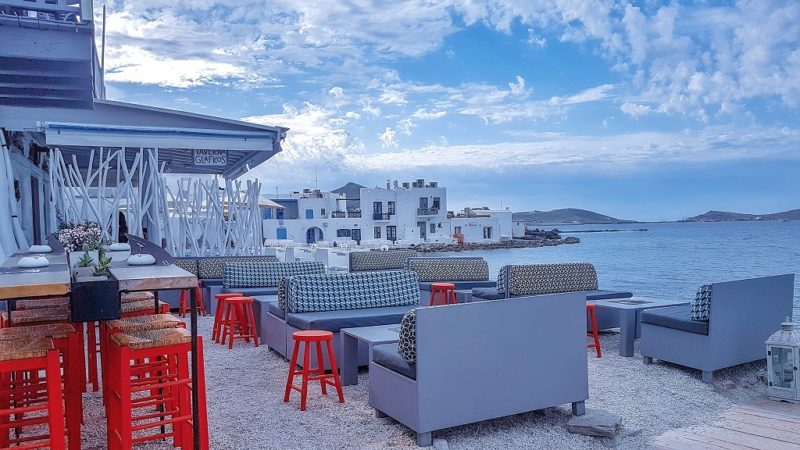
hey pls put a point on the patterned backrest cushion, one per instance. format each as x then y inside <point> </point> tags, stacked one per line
<point>211,268</point>
<point>407,343</point>
<point>535,279</point>
<point>502,278</point>
<point>701,305</point>
<point>282,294</point>
<point>331,292</point>
<point>254,275</point>
<point>187,264</point>
<point>379,260</point>
<point>449,269</point>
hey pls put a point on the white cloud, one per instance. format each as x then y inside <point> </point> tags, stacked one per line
<point>387,138</point>
<point>518,88</point>
<point>337,92</point>
<point>424,114</point>
<point>535,40</point>
<point>635,110</point>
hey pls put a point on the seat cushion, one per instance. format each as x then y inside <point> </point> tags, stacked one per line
<point>251,292</point>
<point>606,295</point>
<point>486,293</point>
<point>347,318</point>
<point>676,318</point>
<point>426,286</point>
<point>275,309</point>
<point>387,356</point>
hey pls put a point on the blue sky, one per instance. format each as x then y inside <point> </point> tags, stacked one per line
<point>643,110</point>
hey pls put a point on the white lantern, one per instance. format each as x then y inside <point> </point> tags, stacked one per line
<point>783,353</point>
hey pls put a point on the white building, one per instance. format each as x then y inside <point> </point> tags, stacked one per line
<point>403,213</point>
<point>482,225</point>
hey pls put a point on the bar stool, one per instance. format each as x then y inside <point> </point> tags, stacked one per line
<point>443,294</point>
<point>66,340</point>
<point>53,302</point>
<point>312,374</point>
<point>594,334</point>
<point>30,394</point>
<point>183,308</point>
<point>151,369</point>
<point>218,318</point>
<point>37,316</point>
<point>239,321</point>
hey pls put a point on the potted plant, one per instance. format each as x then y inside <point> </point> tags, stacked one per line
<point>80,239</point>
<point>85,266</point>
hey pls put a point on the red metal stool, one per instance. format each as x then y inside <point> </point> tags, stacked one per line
<point>22,398</point>
<point>313,374</point>
<point>184,305</point>
<point>215,334</point>
<point>239,321</point>
<point>443,294</point>
<point>150,369</point>
<point>594,334</point>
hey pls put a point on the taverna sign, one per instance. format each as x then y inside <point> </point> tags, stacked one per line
<point>210,157</point>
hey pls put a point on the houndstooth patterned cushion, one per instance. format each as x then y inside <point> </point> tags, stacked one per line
<point>407,344</point>
<point>187,264</point>
<point>282,294</point>
<point>379,260</point>
<point>537,279</point>
<point>251,275</point>
<point>501,280</point>
<point>701,305</point>
<point>449,269</point>
<point>332,292</point>
<point>211,268</point>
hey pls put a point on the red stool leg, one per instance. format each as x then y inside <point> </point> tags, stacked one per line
<point>292,368</point>
<point>55,408</point>
<point>92,348</point>
<point>595,334</point>
<point>335,371</point>
<point>252,319</point>
<point>183,305</point>
<point>433,296</point>
<point>230,322</point>
<point>304,386</point>
<point>218,320</point>
<point>321,369</point>
<point>201,397</point>
<point>201,304</point>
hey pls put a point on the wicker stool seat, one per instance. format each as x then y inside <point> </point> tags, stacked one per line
<point>145,323</point>
<point>131,297</point>
<point>55,302</point>
<point>51,330</point>
<point>153,338</point>
<point>142,305</point>
<point>24,349</point>
<point>36,316</point>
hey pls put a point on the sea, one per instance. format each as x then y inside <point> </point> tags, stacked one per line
<point>670,260</point>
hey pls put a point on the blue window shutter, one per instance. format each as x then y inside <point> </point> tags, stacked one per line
<point>309,214</point>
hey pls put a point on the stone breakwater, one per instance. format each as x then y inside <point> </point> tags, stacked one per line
<point>515,243</point>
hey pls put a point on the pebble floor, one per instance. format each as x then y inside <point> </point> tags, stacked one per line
<point>246,410</point>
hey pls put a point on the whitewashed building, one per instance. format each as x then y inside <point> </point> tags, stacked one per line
<point>482,225</point>
<point>401,213</point>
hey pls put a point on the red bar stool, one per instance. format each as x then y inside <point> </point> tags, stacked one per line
<point>443,294</point>
<point>150,369</point>
<point>215,334</point>
<point>312,374</point>
<point>239,321</point>
<point>594,334</point>
<point>66,340</point>
<point>24,400</point>
<point>184,305</point>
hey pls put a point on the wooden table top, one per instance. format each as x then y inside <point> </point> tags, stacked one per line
<point>51,282</point>
<point>155,277</point>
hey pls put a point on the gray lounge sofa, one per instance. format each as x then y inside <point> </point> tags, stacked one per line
<point>483,360</point>
<point>742,315</point>
<point>333,301</point>
<point>465,272</point>
<point>376,260</point>
<point>538,279</point>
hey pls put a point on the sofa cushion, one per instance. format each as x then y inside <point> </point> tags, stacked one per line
<point>346,318</point>
<point>407,342</point>
<point>701,305</point>
<point>335,291</point>
<point>246,275</point>
<point>534,279</point>
<point>213,267</point>
<point>450,269</point>
<point>607,295</point>
<point>426,286</point>
<point>502,280</point>
<point>487,293</point>
<point>379,260</point>
<point>275,309</point>
<point>282,293</point>
<point>187,264</point>
<point>387,356</point>
<point>676,318</point>
<point>251,292</point>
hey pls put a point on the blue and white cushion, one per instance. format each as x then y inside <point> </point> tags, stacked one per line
<point>449,269</point>
<point>212,268</point>
<point>535,279</point>
<point>332,292</point>
<point>255,275</point>
<point>407,342</point>
<point>501,280</point>
<point>379,260</point>
<point>701,305</point>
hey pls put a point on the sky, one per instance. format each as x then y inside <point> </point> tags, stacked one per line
<point>646,110</point>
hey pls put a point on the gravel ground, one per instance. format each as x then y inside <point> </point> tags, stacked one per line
<point>246,410</point>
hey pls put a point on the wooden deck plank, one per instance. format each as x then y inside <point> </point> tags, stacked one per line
<point>790,409</point>
<point>778,424</point>
<point>769,414</point>
<point>746,439</point>
<point>760,430</point>
<point>676,440</point>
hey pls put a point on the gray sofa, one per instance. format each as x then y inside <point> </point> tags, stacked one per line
<point>377,260</point>
<point>465,272</point>
<point>464,356</point>
<point>333,301</point>
<point>743,314</point>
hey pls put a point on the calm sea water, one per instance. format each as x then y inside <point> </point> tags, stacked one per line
<point>670,260</point>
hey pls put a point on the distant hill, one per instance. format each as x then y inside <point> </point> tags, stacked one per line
<point>725,216</point>
<point>566,216</point>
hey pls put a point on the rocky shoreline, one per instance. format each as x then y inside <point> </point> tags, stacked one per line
<point>514,243</point>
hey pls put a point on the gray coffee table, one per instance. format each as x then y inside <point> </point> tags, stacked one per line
<point>629,311</point>
<point>381,334</point>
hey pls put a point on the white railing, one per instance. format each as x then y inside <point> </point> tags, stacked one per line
<point>66,10</point>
